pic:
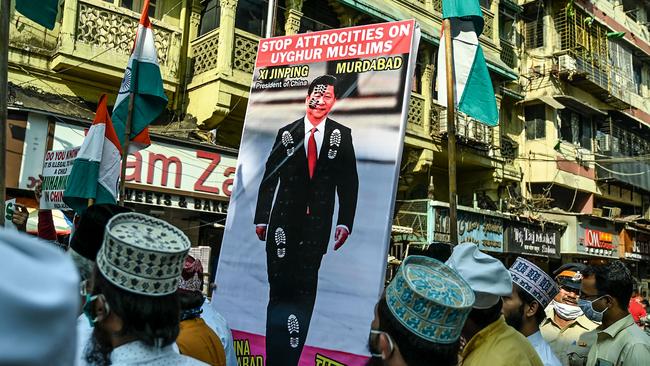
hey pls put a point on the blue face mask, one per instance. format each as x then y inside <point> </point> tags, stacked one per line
<point>587,307</point>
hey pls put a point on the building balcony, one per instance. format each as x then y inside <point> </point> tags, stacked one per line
<point>584,59</point>
<point>223,65</point>
<point>416,124</point>
<point>96,38</point>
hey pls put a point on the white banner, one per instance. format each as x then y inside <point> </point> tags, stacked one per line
<point>57,166</point>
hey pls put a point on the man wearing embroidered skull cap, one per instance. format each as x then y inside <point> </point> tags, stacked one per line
<point>312,163</point>
<point>133,305</point>
<point>565,323</point>
<point>532,291</point>
<point>419,319</point>
<point>490,341</point>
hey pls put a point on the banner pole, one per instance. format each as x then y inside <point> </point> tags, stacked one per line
<point>270,19</point>
<point>451,133</point>
<point>4,86</point>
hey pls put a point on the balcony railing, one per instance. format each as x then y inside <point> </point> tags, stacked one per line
<point>245,51</point>
<point>206,48</point>
<point>101,26</point>
<point>508,54</point>
<point>415,120</point>
<point>104,33</point>
<point>488,28</point>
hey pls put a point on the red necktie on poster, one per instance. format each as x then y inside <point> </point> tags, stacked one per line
<point>312,156</point>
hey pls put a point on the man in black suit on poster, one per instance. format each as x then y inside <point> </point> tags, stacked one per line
<point>313,159</point>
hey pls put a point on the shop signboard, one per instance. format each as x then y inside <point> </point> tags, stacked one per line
<point>482,229</point>
<point>164,166</point>
<point>530,239</point>
<point>597,238</point>
<point>175,200</point>
<point>322,140</point>
<point>636,243</point>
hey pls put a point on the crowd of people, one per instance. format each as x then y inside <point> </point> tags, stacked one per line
<point>129,293</point>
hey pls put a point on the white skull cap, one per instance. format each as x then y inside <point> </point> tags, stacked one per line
<point>486,275</point>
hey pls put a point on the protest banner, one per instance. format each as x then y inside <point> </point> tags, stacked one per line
<point>57,166</point>
<point>304,251</point>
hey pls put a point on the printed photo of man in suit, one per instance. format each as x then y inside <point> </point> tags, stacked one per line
<point>312,162</point>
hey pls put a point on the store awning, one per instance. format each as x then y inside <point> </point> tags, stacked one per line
<point>430,30</point>
<point>578,105</point>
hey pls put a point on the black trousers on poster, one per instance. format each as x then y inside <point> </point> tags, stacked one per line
<point>293,281</point>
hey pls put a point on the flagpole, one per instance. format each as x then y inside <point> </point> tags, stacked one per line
<point>270,19</point>
<point>127,133</point>
<point>451,134</point>
<point>4,78</point>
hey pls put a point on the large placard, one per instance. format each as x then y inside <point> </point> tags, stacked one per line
<point>304,249</point>
<point>57,166</point>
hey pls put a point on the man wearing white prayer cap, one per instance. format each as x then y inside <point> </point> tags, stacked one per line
<point>134,306</point>
<point>532,291</point>
<point>39,302</point>
<point>490,341</point>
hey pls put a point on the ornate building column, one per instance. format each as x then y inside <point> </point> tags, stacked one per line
<point>293,14</point>
<point>226,36</point>
<point>427,89</point>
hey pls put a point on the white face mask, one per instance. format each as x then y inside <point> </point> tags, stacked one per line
<point>564,311</point>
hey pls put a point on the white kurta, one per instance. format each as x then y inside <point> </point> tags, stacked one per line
<point>137,353</point>
<point>543,350</point>
<point>220,326</point>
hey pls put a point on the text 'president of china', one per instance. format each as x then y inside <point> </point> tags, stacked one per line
<point>313,160</point>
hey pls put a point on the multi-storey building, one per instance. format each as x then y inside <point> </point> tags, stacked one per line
<point>56,78</point>
<point>584,124</point>
<point>572,80</point>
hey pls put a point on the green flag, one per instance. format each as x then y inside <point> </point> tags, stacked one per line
<point>43,12</point>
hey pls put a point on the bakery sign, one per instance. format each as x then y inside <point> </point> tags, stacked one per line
<point>180,168</point>
<point>173,200</point>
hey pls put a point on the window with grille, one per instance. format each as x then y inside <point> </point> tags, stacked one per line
<point>576,128</point>
<point>533,17</point>
<point>535,121</point>
<point>534,33</point>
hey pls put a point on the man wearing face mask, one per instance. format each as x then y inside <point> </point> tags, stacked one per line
<point>134,306</point>
<point>565,322</point>
<point>604,295</point>
<point>419,319</point>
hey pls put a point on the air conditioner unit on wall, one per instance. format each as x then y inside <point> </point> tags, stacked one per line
<point>567,63</point>
<point>604,142</point>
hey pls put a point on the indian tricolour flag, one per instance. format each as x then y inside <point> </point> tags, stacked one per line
<point>96,169</point>
<point>142,78</point>
<point>473,88</point>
